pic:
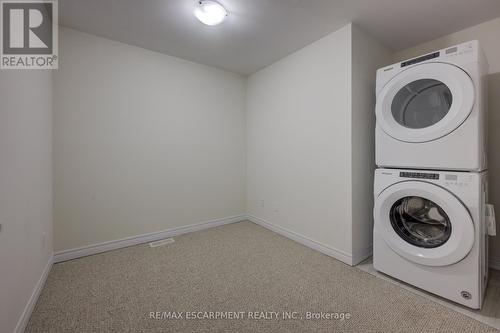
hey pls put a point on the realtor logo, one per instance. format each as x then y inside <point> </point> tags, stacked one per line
<point>29,34</point>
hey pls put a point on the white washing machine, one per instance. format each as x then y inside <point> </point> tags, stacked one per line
<point>431,111</point>
<point>430,231</point>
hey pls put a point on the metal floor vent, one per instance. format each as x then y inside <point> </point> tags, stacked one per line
<point>161,242</point>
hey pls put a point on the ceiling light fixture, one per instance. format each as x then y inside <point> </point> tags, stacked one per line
<point>210,12</point>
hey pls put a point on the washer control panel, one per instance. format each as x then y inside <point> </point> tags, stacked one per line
<point>457,180</point>
<point>449,179</point>
<point>419,175</point>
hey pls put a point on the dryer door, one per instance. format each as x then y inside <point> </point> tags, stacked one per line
<point>424,223</point>
<point>425,102</point>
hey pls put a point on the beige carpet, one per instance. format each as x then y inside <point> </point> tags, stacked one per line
<point>238,267</point>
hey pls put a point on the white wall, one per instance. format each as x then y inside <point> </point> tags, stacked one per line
<point>298,142</point>
<point>367,56</point>
<point>487,33</point>
<point>143,142</point>
<point>25,188</point>
<point>309,155</point>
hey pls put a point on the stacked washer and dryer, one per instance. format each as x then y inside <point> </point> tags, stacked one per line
<point>431,186</point>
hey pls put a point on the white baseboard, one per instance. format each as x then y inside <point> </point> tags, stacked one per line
<point>140,239</point>
<point>28,309</point>
<point>494,263</point>
<point>329,251</point>
<point>362,255</point>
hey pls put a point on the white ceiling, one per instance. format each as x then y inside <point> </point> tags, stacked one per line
<point>259,32</point>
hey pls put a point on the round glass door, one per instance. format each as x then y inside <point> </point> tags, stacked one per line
<point>420,222</point>
<point>421,103</point>
<point>425,102</point>
<point>423,223</point>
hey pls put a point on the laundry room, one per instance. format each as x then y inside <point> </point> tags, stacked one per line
<point>249,166</point>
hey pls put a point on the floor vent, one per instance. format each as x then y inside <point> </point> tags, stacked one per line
<point>161,242</point>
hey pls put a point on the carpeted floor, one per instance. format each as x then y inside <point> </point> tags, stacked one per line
<point>239,267</point>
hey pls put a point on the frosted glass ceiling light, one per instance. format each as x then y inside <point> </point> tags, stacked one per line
<point>210,12</point>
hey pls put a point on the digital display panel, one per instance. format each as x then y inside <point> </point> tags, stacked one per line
<point>451,177</point>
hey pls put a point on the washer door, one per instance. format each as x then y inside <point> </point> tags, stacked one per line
<point>424,223</point>
<point>425,102</point>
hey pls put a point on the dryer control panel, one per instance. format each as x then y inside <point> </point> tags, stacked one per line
<point>420,59</point>
<point>457,55</point>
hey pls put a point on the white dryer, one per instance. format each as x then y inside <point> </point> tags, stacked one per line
<point>431,111</point>
<point>430,232</point>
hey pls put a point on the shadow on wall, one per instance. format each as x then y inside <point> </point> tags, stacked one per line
<point>494,158</point>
